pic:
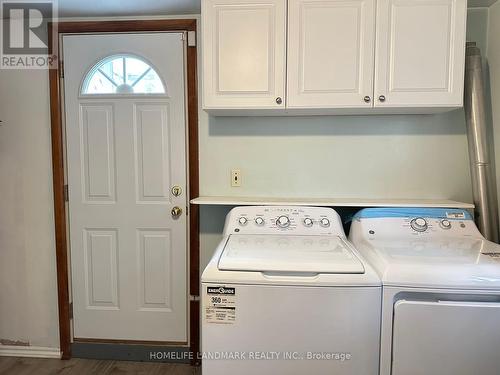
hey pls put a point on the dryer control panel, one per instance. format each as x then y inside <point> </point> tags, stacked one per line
<point>416,222</point>
<point>294,220</point>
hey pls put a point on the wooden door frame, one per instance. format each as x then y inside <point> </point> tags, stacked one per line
<point>58,164</point>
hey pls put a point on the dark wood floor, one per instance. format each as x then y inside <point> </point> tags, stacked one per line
<point>28,366</point>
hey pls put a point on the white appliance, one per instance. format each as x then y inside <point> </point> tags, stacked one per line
<point>441,290</point>
<point>286,293</point>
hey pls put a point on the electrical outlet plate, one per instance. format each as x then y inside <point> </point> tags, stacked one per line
<point>235,178</point>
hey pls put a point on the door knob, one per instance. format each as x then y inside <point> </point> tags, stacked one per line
<point>176,212</point>
<point>279,100</point>
<point>367,99</point>
<point>381,98</point>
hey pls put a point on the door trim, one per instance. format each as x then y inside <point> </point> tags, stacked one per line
<point>58,164</point>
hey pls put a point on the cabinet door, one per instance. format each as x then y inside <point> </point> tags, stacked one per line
<point>420,53</point>
<point>330,53</point>
<point>243,54</point>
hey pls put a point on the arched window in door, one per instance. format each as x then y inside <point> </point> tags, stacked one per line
<point>122,75</point>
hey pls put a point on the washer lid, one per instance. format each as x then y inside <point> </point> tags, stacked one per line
<point>289,254</point>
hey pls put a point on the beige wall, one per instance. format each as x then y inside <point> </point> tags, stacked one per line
<point>359,156</point>
<point>28,295</point>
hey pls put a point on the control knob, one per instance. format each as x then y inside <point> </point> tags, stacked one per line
<point>445,224</point>
<point>419,224</point>
<point>283,221</point>
<point>324,222</point>
<point>259,221</point>
<point>308,222</point>
<point>243,220</point>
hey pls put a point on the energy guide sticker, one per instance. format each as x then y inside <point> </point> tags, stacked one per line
<point>220,305</point>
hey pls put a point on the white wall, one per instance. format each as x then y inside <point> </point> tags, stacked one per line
<point>421,156</point>
<point>371,156</point>
<point>477,27</point>
<point>28,294</point>
<point>493,56</point>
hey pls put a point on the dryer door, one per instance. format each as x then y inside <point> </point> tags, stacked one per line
<point>446,338</point>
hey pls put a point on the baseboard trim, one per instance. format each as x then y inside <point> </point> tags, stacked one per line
<point>131,352</point>
<point>29,351</point>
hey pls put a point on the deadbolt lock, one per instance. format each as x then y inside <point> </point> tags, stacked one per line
<point>176,190</point>
<point>176,212</point>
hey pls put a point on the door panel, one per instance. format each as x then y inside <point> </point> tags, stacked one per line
<point>446,338</point>
<point>330,53</point>
<point>155,268</point>
<point>98,145</point>
<point>100,248</point>
<point>152,154</point>
<point>232,52</point>
<point>420,52</point>
<point>244,53</point>
<point>124,153</point>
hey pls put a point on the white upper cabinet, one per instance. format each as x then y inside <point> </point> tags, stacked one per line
<point>330,53</point>
<point>333,56</point>
<point>244,54</point>
<point>420,53</point>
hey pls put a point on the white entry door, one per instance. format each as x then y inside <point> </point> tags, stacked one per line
<point>126,150</point>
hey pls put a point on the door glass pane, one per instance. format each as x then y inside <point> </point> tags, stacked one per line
<point>122,74</point>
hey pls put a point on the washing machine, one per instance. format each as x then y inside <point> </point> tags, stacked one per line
<point>286,293</point>
<point>441,290</point>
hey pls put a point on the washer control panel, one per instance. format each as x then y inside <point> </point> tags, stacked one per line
<point>295,220</point>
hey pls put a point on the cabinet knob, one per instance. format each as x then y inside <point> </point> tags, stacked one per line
<point>279,100</point>
<point>381,98</point>
<point>367,99</point>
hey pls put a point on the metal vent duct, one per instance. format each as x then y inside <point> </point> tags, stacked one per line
<point>479,153</point>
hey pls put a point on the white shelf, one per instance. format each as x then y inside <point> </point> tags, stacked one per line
<point>330,202</point>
